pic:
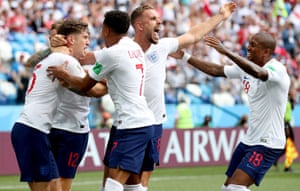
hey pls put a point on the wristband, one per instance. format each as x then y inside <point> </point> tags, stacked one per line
<point>186,56</point>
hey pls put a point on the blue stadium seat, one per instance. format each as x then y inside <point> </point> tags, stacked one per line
<point>3,76</point>
<point>42,38</point>
<point>20,38</point>
<point>16,46</point>
<point>30,38</point>
<point>28,47</point>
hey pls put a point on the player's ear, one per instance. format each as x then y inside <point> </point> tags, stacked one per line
<point>139,26</point>
<point>267,52</point>
<point>105,31</point>
<point>70,39</point>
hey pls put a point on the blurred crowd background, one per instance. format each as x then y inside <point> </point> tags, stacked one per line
<point>24,26</point>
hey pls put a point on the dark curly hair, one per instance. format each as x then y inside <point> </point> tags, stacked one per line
<point>118,21</point>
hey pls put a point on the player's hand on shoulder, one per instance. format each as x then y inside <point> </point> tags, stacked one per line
<point>58,71</point>
<point>64,83</point>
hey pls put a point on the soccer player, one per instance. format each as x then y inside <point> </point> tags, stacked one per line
<point>146,23</point>
<point>29,135</point>
<point>266,82</point>
<point>70,128</point>
<point>122,62</point>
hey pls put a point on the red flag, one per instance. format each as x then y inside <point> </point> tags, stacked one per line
<point>206,8</point>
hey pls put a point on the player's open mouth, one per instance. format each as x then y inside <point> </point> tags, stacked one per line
<point>156,33</point>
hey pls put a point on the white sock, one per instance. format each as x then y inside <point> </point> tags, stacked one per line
<point>112,185</point>
<point>235,187</point>
<point>133,187</point>
<point>224,188</point>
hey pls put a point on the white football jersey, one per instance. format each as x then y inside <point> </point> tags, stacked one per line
<point>267,101</point>
<point>123,66</point>
<point>73,109</point>
<point>156,61</point>
<point>42,96</point>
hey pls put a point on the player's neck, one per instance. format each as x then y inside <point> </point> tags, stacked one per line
<point>144,44</point>
<point>63,50</point>
<point>114,39</point>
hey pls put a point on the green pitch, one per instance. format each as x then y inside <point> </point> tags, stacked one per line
<point>177,179</point>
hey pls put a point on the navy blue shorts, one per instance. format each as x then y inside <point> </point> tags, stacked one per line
<point>34,155</point>
<point>109,145</point>
<point>152,152</point>
<point>254,160</point>
<point>68,149</point>
<point>128,148</point>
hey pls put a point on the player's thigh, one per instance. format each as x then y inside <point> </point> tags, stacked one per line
<point>129,146</point>
<point>236,158</point>
<point>34,154</point>
<point>152,152</point>
<point>69,149</point>
<point>109,145</point>
<point>257,161</point>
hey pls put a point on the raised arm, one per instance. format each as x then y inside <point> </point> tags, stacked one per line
<point>209,68</point>
<point>197,32</point>
<point>246,65</point>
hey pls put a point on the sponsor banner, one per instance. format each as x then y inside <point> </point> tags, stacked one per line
<point>179,148</point>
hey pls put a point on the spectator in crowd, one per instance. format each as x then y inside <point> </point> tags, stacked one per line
<point>291,152</point>
<point>183,116</point>
<point>182,15</point>
<point>223,96</point>
<point>18,21</point>
<point>21,76</point>
<point>36,22</point>
<point>243,121</point>
<point>290,39</point>
<point>207,122</point>
<point>176,80</point>
<point>106,122</point>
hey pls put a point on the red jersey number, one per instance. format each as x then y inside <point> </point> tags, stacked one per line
<point>140,67</point>
<point>33,79</point>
